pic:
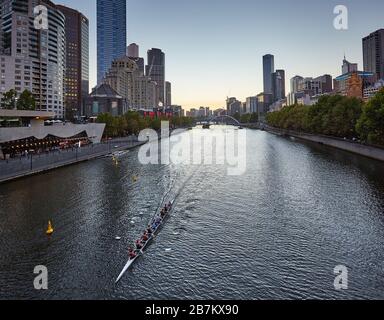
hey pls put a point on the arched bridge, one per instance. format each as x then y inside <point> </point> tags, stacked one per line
<point>224,119</point>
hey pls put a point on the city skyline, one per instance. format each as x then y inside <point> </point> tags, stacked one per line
<point>244,43</point>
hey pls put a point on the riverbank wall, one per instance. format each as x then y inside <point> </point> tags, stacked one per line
<point>369,151</point>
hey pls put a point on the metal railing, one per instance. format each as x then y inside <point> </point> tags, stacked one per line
<point>31,163</point>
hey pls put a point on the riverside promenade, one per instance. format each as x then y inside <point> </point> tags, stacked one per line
<point>20,167</point>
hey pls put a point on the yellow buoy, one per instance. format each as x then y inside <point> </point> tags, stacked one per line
<point>50,228</point>
<point>134,179</point>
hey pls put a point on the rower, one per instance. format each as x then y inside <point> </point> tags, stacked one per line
<point>156,224</point>
<point>149,230</point>
<point>131,253</point>
<point>145,237</point>
<point>139,246</point>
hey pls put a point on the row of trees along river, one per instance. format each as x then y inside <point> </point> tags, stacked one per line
<point>336,116</point>
<point>132,123</point>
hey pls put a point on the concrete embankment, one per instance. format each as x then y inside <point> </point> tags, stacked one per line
<point>372,152</point>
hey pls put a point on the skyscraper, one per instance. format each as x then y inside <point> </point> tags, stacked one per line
<point>77,61</point>
<point>278,85</point>
<point>140,63</point>
<point>33,59</point>
<point>111,33</point>
<point>128,81</point>
<point>268,69</point>
<point>168,93</point>
<point>373,53</point>
<point>156,71</point>
<point>133,50</point>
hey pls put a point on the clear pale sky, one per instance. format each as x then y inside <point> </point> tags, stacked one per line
<point>214,48</point>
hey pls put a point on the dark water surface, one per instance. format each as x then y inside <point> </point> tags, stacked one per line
<point>276,232</point>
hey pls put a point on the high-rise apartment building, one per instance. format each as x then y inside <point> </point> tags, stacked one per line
<point>77,61</point>
<point>295,82</point>
<point>111,33</point>
<point>156,71</point>
<point>268,69</point>
<point>33,58</point>
<point>373,53</point>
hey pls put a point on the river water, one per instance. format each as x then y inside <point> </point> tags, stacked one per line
<point>275,232</point>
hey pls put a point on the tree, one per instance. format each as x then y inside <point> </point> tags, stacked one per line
<point>331,115</point>
<point>237,116</point>
<point>26,101</point>
<point>370,126</point>
<point>132,123</point>
<point>254,118</point>
<point>9,99</point>
<point>245,118</point>
<point>110,124</point>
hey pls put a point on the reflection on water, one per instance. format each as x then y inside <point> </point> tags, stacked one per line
<point>275,232</point>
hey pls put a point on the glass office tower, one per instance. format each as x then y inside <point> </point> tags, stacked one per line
<point>111,33</point>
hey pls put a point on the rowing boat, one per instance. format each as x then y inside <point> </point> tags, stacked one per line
<point>130,262</point>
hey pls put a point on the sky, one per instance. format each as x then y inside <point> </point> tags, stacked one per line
<point>214,48</point>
